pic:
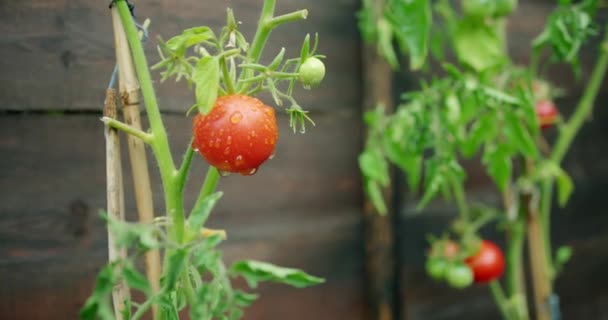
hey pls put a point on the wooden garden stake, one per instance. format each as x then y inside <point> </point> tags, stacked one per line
<point>129,96</point>
<point>115,197</point>
<point>379,240</point>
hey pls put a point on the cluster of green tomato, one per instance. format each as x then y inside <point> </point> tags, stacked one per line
<point>446,262</point>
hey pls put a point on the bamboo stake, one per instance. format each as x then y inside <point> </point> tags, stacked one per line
<point>129,95</point>
<point>115,195</point>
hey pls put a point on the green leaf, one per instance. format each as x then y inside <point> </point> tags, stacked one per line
<point>245,299</point>
<point>201,211</point>
<point>98,305</point>
<point>135,279</point>
<point>257,271</point>
<point>411,22</point>
<point>564,187</point>
<point>127,235</point>
<point>189,37</point>
<point>367,22</point>
<point>483,130</point>
<point>177,262</point>
<point>206,77</point>
<point>519,136</point>
<point>385,43</point>
<point>434,181</point>
<point>167,307</point>
<point>374,192</point>
<point>499,164</point>
<point>374,166</point>
<point>126,310</point>
<point>478,45</point>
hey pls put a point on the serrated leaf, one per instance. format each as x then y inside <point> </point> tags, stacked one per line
<point>245,299</point>
<point>434,181</point>
<point>519,136</point>
<point>189,37</point>
<point>366,21</point>
<point>385,43</point>
<point>411,22</point>
<point>477,45</point>
<point>499,165</point>
<point>374,166</point>
<point>483,130</point>
<point>177,260</point>
<point>167,307</point>
<point>135,279</point>
<point>564,187</point>
<point>258,271</point>
<point>374,192</point>
<point>201,211</point>
<point>206,77</point>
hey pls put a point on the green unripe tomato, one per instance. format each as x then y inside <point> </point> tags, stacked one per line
<point>312,72</point>
<point>436,268</point>
<point>479,8</point>
<point>459,275</point>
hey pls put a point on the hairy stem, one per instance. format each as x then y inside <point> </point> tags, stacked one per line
<point>159,142</point>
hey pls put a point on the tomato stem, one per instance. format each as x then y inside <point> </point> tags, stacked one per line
<point>265,26</point>
<point>159,141</point>
<point>113,123</point>
<point>499,296</point>
<point>566,137</point>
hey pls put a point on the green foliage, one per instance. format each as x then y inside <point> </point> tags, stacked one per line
<point>220,65</point>
<point>406,22</point>
<point>567,29</point>
<point>257,271</point>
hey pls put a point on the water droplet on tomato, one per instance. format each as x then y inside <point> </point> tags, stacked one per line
<point>210,143</point>
<point>229,140</point>
<point>271,157</point>
<point>217,143</point>
<point>195,149</point>
<point>253,134</point>
<point>265,140</point>
<point>249,172</point>
<point>227,151</point>
<point>236,117</point>
<point>224,173</point>
<point>239,160</point>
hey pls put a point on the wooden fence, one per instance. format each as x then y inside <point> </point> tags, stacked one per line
<point>303,209</point>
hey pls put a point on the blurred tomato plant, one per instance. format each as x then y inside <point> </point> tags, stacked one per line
<point>480,105</point>
<point>226,73</point>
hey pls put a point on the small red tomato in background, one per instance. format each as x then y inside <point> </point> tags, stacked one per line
<point>488,263</point>
<point>238,135</point>
<point>546,113</point>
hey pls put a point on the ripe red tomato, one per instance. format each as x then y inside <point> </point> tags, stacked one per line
<point>488,263</point>
<point>546,113</point>
<point>238,135</point>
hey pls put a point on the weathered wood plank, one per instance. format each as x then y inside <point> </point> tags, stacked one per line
<point>52,242</point>
<point>63,56</point>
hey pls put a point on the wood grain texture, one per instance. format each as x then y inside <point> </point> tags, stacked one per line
<point>58,55</point>
<point>52,241</point>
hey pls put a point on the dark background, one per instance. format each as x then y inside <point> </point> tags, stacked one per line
<point>303,209</point>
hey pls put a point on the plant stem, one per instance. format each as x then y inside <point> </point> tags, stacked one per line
<point>211,180</point>
<point>567,135</point>
<point>145,137</point>
<point>501,300</point>
<point>585,106</point>
<point>159,143</point>
<point>182,173</point>
<point>265,25</point>
<point>461,201</point>
<point>514,271</point>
